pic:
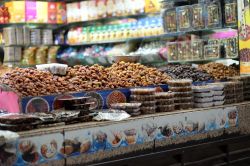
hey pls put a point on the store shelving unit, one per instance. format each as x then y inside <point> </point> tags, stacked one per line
<point>65,27</point>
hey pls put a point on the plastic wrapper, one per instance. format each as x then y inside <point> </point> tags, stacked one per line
<point>41,55</point>
<point>184,18</point>
<point>52,53</point>
<point>203,105</point>
<point>203,99</point>
<point>172,51</point>
<point>66,116</point>
<point>170,20</point>
<point>180,82</point>
<point>212,51</point>
<point>165,108</point>
<point>19,119</point>
<point>54,68</point>
<point>198,16</point>
<point>112,115</point>
<point>29,56</point>
<point>143,91</point>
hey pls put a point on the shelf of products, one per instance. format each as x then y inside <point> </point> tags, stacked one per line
<point>27,12</point>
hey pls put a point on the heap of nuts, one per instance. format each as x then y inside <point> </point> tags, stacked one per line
<point>219,71</point>
<point>32,82</point>
<point>134,74</point>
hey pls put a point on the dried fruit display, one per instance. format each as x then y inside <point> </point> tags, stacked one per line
<point>219,71</point>
<point>31,82</point>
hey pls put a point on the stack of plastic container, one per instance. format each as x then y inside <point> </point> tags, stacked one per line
<point>131,108</point>
<point>203,96</point>
<point>230,92</point>
<point>145,96</point>
<point>182,89</point>
<point>165,101</point>
<point>218,93</point>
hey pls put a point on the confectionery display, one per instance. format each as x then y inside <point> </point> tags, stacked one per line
<point>147,98</point>
<point>246,85</point>
<point>186,72</point>
<point>199,49</point>
<point>33,12</point>
<point>203,96</point>
<point>219,71</point>
<point>165,101</point>
<point>162,71</point>
<point>129,28</point>
<point>32,82</point>
<point>183,93</point>
<point>93,10</point>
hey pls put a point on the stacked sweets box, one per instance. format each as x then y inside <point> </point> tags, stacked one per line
<point>183,93</point>
<point>209,95</point>
<point>101,99</point>
<point>145,96</point>
<point>245,82</point>
<point>203,96</point>
<point>165,101</point>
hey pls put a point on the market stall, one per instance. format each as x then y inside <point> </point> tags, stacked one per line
<point>135,77</point>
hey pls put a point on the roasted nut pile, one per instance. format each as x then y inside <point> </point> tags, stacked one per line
<point>186,72</point>
<point>134,74</point>
<point>219,71</point>
<point>31,82</point>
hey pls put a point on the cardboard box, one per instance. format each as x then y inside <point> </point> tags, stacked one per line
<point>152,6</point>
<point>42,12</point>
<point>61,13</point>
<point>31,11</point>
<point>52,12</point>
<point>17,11</point>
